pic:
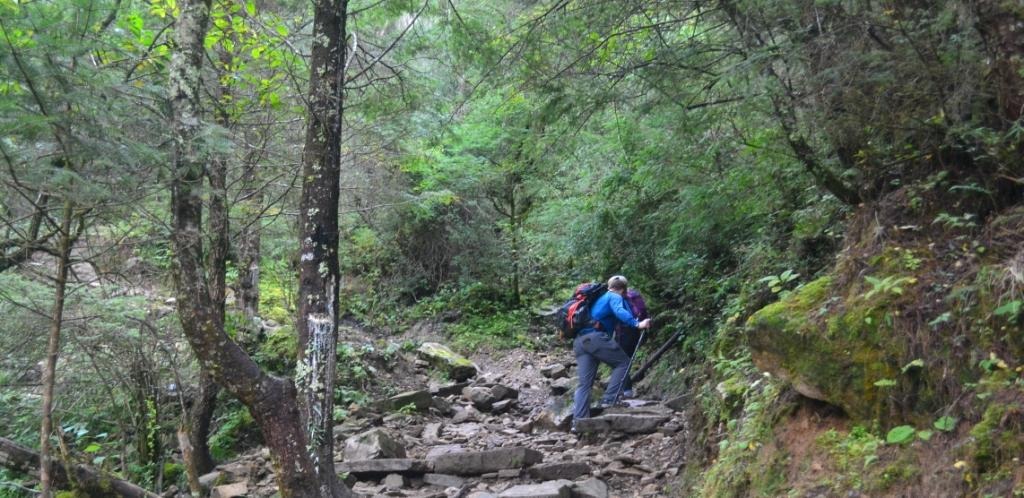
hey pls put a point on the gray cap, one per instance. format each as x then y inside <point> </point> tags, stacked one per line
<point>618,282</point>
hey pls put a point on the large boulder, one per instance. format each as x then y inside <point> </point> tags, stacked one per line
<point>456,366</point>
<point>832,354</point>
<point>373,444</point>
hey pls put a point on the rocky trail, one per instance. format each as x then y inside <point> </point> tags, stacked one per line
<point>496,427</point>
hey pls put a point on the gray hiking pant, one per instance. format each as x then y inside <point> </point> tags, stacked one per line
<point>591,350</point>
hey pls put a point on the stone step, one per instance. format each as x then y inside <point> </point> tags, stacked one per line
<point>381,467</point>
<point>483,462</point>
<point>620,422</point>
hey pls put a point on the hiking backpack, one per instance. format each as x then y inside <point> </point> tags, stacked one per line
<point>574,315</point>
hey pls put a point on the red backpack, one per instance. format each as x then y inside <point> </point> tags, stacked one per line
<point>574,315</point>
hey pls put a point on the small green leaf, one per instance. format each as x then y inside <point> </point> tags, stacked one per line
<point>250,7</point>
<point>92,448</point>
<point>945,423</point>
<point>924,435</point>
<point>918,363</point>
<point>1010,309</point>
<point>885,383</point>
<point>900,434</point>
<point>281,29</point>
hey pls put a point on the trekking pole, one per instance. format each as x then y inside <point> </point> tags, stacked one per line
<point>622,385</point>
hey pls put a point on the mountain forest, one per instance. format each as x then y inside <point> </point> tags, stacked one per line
<point>281,248</point>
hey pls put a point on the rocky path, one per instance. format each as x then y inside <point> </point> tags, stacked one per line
<point>497,429</point>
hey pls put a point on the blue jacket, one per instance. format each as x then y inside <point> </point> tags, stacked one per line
<point>609,309</point>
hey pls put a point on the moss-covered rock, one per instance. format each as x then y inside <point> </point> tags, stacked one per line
<point>833,352</point>
<point>456,366</point>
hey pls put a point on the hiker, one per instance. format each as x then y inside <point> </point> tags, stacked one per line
<point>594,345</point>
<point>629,337</point>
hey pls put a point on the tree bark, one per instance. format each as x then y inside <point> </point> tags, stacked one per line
<point>249,245</point>
<point>21,459</point>
<point>319,274</point>
<point>271,400</point>
<point>52,351</point>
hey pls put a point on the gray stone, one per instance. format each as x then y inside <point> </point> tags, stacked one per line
<point>481,494</point>
<point>562,386</point>
<point>678,403</point>
<point>376,469</point>
<point>444,480</point>
<point>501,392</point>
<point>509,473</point>
<point>442,406</point>
<point>627,424</point>
<point>591,488</point>
<point>444,449</point>
<point>230,490</point>
<point>421,400</point>
<point>432,432</point>
<point>441,357</point>
<point>213,478</point>
<point>550,489</point>
<point>394,481</point>
<point>481,397</point>
<point>482,462</point>
<point>560,470</point>
<point>449,390</point>
<point>556,371</point>
<point>502,406</point>
<point>556,415</point>
<point>467,414</point>
<point>372,444</point>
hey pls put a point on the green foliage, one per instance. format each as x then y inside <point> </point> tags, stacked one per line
<point>901,434</point>
<point>502,330</point>
<point>945,423</point>
<point>891,284</point>
<point>233,430</point>
<point>853,453</point>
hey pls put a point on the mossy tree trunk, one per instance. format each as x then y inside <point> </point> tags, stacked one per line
<point>271,400</point>
<point>319,272</point>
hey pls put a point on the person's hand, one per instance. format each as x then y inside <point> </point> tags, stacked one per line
<point>646,324</point>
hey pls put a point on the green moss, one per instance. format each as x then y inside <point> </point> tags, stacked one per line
<point>836,359</point>
<point>172,471</point>
<point>995,445</point>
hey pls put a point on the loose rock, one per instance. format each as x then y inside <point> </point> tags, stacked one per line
<point>556,371</point>
<point>372,444</point>
<point>550,489</point>
<point>591,488</point>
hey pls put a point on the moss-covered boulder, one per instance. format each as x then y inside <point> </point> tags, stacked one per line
<point>454,365</point>
<point>830,349</point>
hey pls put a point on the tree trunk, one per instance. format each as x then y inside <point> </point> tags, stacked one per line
<point>319,274</point>
<point>271,400</point>
<point>197,432</point>
<point>52,350</point>
<point>249,245</point>
<point>21,459</point>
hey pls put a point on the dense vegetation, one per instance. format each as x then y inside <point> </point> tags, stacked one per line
<point>826,190</point>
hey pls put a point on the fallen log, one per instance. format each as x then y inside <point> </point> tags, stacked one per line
<point>640,374</point>
<point>86,479</point>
